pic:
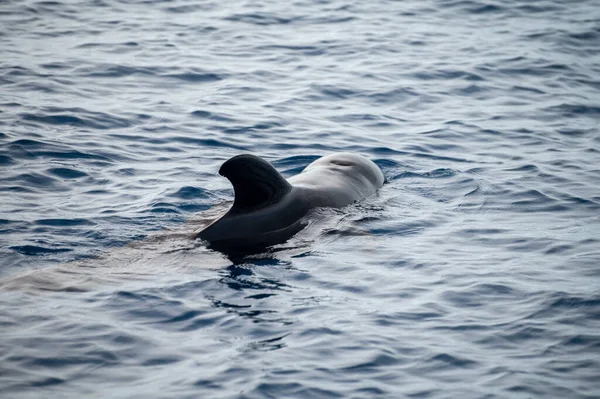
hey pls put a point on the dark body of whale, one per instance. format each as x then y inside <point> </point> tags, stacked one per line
<point>268,209</point>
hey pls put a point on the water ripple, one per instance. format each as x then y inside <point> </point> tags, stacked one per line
<point>471,274</point>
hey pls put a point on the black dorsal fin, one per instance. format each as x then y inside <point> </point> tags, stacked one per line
<point>256,182</point>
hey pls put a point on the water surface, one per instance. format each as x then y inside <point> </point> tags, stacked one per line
<point>473,273</point>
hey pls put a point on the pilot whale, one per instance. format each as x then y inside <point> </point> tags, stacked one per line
<point>268,209</point>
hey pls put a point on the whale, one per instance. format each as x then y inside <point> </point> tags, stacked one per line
<point>269,209</point>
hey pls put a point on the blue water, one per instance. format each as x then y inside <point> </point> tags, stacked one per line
<point>473,273</point>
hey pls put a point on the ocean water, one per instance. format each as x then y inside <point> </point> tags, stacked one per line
<point>473,273</point>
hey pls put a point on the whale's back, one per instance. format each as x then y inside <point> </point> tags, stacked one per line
<point>268,209</point>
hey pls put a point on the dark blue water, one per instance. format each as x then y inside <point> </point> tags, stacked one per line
<point>474,273</point>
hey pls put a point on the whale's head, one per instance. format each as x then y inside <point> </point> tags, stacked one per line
<point>353,167</point>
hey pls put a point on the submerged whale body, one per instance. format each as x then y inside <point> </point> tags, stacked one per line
<point>268,209</point>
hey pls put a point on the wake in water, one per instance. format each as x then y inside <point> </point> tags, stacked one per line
<point>176,250</point>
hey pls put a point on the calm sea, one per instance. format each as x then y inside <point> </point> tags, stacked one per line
<point>473,273</point>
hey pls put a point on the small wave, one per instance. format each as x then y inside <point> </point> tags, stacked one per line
<point>63,222</point>
<point>94,120</point>
<point>196,77</point>
<point>189,192</point>
<point>574,110</point>
<point>164,207</point>
<point>446,75</point>
<point>6,160</point>
<point>34,250</point>
<point>67,173</point>
<point>261,19</point>
<point>212,115</point>
<point>535,201</point>
<point>115,71</point>
<point>330,92</point>
<point>206,142</point>
<point>34,180</point>
<point>27,148</point>
<point>443,360</point>
<point>474,7</point>
<point>190,8</point>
